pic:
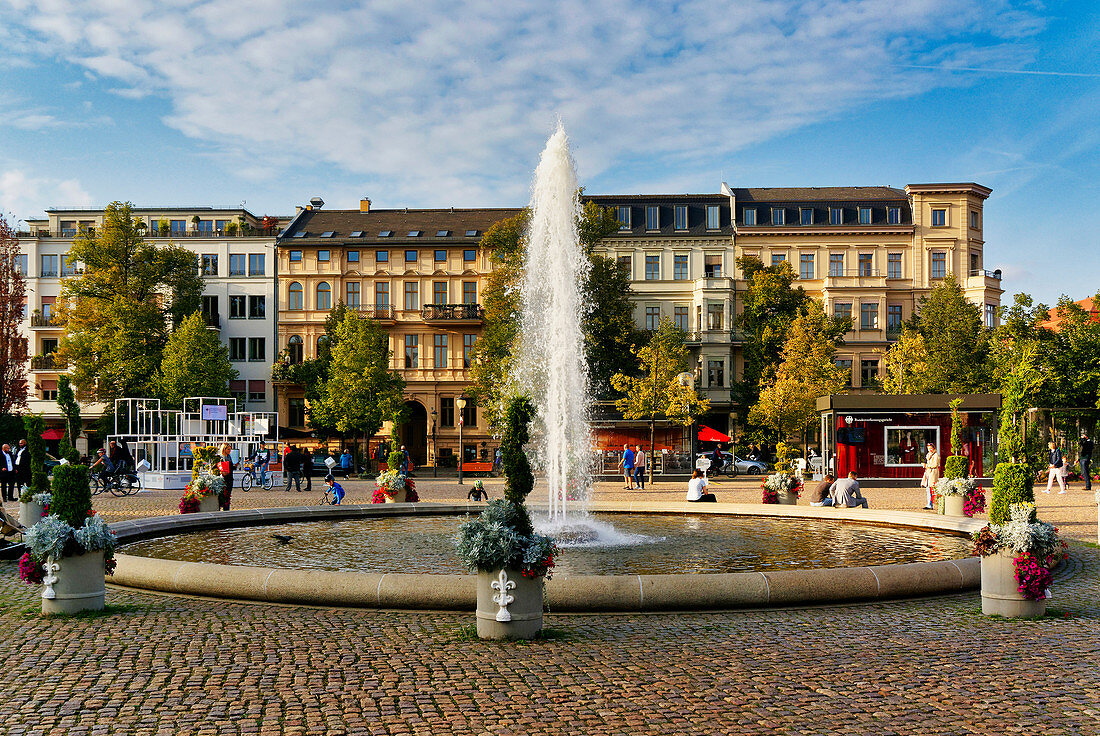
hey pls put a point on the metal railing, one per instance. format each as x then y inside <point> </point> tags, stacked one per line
<point>988,274</point>
<point>43,362</point>
<point>836,273</point>
<point>375,311</point>
<point>452,312</point>
<point>42,320</point>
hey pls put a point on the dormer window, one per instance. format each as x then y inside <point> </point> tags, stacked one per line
<point>893,215</point>
<point>864,215</point>
<point>385,233</point>
<point>652,218</point>
<point>779,216</point>
<point>806,216</point>
<point>622,214</point>
<point>748,216</point>
<point>414,233</point>
<point>713,222</point>
<point>836,215</point>
<point>471,233</point>
<point>442,233</point>
<point>681,217</point>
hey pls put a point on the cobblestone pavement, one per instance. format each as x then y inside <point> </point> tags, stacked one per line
<point>173,665</point>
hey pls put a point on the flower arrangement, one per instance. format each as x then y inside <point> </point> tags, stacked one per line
<point>202,485</point>
<point>975,501</point>
<point>43,499</point>
<point>777,483</point>
<point>392,482</point>
<point>54,537</point>
<point>1035,544</point>
<point>972,492</point>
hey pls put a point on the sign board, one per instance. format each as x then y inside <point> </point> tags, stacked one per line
<point>215,412</point>
<point>185,449</point>
<point>703,463</point>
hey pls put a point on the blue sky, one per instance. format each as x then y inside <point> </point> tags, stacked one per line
<point>269,102</point>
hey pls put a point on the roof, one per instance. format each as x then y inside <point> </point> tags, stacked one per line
<point>1054,320</point>
<point>907,402</point>
<point>800,195</point>
<point>311,224</point>
<point>666,205</point>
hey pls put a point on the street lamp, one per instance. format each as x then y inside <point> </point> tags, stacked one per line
<point>435,448</point>
<point>460,404</point>
<point>687,380</point>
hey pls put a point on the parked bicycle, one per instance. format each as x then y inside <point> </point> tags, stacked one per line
<point>252,479</point>
<point>119,484</point>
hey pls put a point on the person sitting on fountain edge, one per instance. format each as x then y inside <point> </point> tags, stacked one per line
<point>845,493</point>
<point>819,496</point>
<point>695,488</point>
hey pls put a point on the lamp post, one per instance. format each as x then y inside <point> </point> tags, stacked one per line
<point>460,404</point>
<point>435,448</point>
<point>687,380</point>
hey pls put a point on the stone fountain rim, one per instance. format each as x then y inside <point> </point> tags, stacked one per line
<point>581,593</point>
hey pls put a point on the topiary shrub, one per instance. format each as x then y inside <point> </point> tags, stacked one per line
<point>205,461</point>
<point>395,459</point>
<point>955,467</point>
<point>520,479</point>
<point>72,498</point>
<point>1012,483</point>
<point>35,426</point>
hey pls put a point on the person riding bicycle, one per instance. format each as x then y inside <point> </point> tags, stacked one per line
<point>260,461</point>
<point>336,488</point>
<point>120,457</point>
<point>716,460</point>
<point>107,468</point>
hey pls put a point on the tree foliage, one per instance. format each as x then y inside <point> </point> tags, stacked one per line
<point>70,409</point>
<point>13,347</point>
<point>35,425</point>
<point>657,393</point>
<point>905,365</point>
<point>118,312</point>
<point>195,363</point>
<point>956,343</point>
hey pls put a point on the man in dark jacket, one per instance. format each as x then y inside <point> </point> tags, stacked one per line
<point>23,464</point>
<point>7,474</point>
<point>1084,453</point>
<point>292,464</point>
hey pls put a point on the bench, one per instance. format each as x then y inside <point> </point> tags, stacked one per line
<point>477,467</point>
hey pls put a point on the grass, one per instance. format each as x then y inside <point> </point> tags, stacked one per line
<point>469,633</point>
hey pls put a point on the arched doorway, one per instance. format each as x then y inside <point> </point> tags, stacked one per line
<point>414,433</point>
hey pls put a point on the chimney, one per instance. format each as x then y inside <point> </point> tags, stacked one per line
<point>364,204</point>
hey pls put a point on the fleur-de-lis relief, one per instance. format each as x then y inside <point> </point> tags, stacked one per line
<point>50,577</point>
<point>502,599</point>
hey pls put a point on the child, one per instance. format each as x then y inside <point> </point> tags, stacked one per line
<point>477,493</point>
<point>336,488</point>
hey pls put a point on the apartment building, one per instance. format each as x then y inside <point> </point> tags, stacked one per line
<point>234,249</point>
<point>419,273</point>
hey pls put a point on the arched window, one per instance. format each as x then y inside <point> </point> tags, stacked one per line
<point>295,298</point>
<point>294,347</point>
<point>322,342</point>
<point>324,296</point>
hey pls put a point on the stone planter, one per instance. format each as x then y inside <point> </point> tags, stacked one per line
<point>208,504</point>
<point>519,615</point>
<point>74,584</point>
<point>30,513</point>
<point>397,497</point>
<point>954,505</point>
<point>787,498</point>
<point>1000,591</point>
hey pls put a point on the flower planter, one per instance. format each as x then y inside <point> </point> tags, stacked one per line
<point>787,498</point>
<point>1000,591</point>
<point>397,497</point>
<point>208,504</point>
<point>30,513</point>
<point>518,618</point>
<point>954,505</point>
<point>74,584</point>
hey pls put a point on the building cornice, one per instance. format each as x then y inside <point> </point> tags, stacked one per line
<point>820,231</point>
<point>968,187</point>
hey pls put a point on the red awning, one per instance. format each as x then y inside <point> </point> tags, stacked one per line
<point>706,434</point>
<point>53,434</point>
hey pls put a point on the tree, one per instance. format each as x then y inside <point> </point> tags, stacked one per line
<point>70,409</point>
<point>905,366</point>
<point>195,363</point>
<point>360,391</point>
<point>13,347</point>
<point>1074,361</point>
<point>610,333</point>
<point>117,313</point>
<point>808,370</point>
<point>957,344</point>
<point>658,393</point>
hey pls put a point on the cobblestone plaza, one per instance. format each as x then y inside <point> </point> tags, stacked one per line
<point>166,665</point>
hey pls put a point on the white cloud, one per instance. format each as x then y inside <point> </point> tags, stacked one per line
<point>27,196</point>
<point>450,103</point>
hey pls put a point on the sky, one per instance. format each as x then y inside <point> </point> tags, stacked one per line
<point>435,104</point>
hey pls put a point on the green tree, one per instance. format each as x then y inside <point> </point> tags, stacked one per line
<point>35,426</point>
<point>118,311</point>
<point>1074,361</point>
<point>789,402</point>
<point>195,363</point>
<point>610,333</point>
<point>957,344</point>
<point>70,409</point>
<point>905,365</point>
<point>658,393</point>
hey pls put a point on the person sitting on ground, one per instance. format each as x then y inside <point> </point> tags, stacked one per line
<point>336,488</point>
<point>845,493</point>
<point>819,496</point>
<point>696,485</point>
<point>477,493</point>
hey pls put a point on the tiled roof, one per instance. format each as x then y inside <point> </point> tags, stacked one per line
<point>399,223</point>
<point>798,195</point>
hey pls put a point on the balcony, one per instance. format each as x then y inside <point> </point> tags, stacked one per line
<point>714,337</point>
<point>893,332</point>
<point>381,312</point>
<point>46,320</point>
<point>855,278</point>
<point>987,274</point>
<point>452,313</point>
<point>213,321</point>
<point>43,363</point>
<point>981,279</point>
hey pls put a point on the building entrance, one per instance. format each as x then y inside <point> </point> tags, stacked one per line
<point>414,433</point>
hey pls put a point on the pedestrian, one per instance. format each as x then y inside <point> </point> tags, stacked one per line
<point>1054,468</point>
<point>477,493</point>
<point>1084,454</point>
<point>345,462</point>
<point>260,462</point>
<point>931,474</point>
<point>626,464</point>
<point>845,493</point>
<point>406,461</point>
<point>336,488</point>
<point>639,467</point>
<point>22,466</point>
<point>292,464</point>
<point>696,486</point>
<point>498,460</point>
<point>226,466</point>
<point>7,474</point>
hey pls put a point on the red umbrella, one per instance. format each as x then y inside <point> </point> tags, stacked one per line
<point>53,434</point>
<point>706,434</point>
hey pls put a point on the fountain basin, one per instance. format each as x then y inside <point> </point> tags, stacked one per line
<point>564,593</point>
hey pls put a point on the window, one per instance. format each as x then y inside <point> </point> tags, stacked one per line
<point>778,258</point>
<point>220,225</point>
<point>447,411</point>
<point>893,215</point>
<point>939,264</point>
<point>295,256</point>
<point>439,292</point>
<point>257,390</point>
<point>652,268</point>
<point>236,264</point>
<point>256,265</point>
<point>257,349</point>
<point>680,217</point>
<point>209,264</point>
<point>893,265</point>
<point>294,349</point>
<point>843,310</point>
<point>469,256</point>
<point>622,214</point>
<point>49,266</point>
<point>414,234</point>
<point>440,351</point>
<point>990,315</point>
<point>939,218</point>
<point>779,216</point>
<point>469,292</point>
<point>716,373</point>
<point>442,233</point>
<point>652,318</point>
<point>973,220</point>
<point>806,266</point>
<point>864,215</point>
<point>324,296</point>
<point>681,318</point>
<point>652,218</point>
<point>49,389</point>
<point>866,264</point>
<point>352,297</point>
<point>805,216</point>
<point>624,263</point>
<point>353,256</point>
<point>237,307</point>
<point>468,342</point>
<point>296,408</point>
<point>236,348</point>
<point>177,227</point>
<point>975,263</point>
<point>68,268</point>
<point>748,216</point>
<point>868,372</point>
<point>441,256</point>
<point>713,222</point>
<point>893,317</point>
<point>257,307</point>
<point>680,267</point>
<point>324,256</point>
<point>846,365</point>
<point>469,413</point>
<point>412,295</point>
<point>714,316</point>
<point>21,264</point>
<point>382,294</point>
<point>49,345</point>
<point>412,351</point>
<point>385,233</point>
<point>47,306</point>
<point>712,266</point>
<point>836,215</point>
<point>381,256</point>
<point>868,316</point>
<point>210,306</point>
<point>295,298</point>
<point>410,256</point>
